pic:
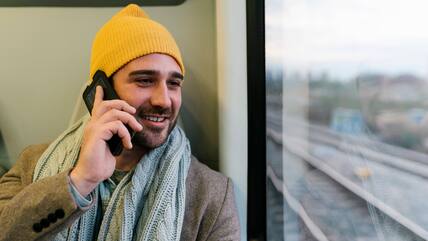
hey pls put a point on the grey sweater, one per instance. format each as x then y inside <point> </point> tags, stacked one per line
<point>37,211</point>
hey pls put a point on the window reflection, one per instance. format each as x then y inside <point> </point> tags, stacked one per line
<point>347,120</point>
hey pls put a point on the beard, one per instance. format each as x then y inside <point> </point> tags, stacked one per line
<point>151,137</point>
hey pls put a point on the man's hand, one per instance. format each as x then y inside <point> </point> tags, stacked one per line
<point>96,163</point>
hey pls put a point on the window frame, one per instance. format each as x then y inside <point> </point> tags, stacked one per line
<point>256,80</point>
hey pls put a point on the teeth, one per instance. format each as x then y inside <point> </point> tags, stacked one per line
<point>154,119</point>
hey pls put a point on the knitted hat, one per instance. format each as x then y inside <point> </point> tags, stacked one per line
<point>128,35</point>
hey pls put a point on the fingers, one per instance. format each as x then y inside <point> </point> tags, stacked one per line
<point>111,116</point>
<point>124,117</point>
<point>102,106</point>
<point>99,95</point>
<point>117,127</point>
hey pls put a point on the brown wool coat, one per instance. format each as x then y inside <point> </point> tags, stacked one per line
<point>24,206</point>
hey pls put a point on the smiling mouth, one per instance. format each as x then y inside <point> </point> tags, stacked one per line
<point>154,118</point>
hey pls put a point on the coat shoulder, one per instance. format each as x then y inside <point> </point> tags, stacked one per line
<point>30,155</point>
<point>33,152</point>
<point>209,202</point>
<point>26,163</point>
<point>200,176</point>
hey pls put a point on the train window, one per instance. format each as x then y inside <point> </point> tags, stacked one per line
<point>346,119</point>
<point>85,3</point>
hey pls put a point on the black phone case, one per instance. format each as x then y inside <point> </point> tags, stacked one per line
<point>100,78</point>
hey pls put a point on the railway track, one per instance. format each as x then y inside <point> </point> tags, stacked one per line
<point>359,197</point>
<point>327,211</point>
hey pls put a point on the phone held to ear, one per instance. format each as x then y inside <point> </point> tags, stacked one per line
<point>100,78</point>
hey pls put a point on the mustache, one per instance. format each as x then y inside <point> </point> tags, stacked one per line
<point>143,111</point>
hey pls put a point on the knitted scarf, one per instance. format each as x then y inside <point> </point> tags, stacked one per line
<point>147,204</point>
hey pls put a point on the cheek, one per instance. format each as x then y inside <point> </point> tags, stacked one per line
<point>176,102</point>
<point>135,98</point>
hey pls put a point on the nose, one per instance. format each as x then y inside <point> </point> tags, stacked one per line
<point>160,96</point>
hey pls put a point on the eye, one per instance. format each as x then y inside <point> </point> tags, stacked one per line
<point>144,81</point>
<point>174,83</point>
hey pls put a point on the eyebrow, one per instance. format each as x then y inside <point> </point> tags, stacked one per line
<point>177,75</point>
<point>174,74</point>
<point>143,72</point>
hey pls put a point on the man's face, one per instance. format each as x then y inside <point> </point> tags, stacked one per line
<point>151,84</point>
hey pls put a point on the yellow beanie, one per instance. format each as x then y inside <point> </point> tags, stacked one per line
<point>128,35</point>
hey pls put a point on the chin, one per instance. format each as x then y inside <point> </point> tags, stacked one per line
<point>150,140</point>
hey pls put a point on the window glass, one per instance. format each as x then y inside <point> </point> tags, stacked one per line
<point>347,119</point>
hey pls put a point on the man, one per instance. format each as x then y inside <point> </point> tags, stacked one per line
<point>75,189</point>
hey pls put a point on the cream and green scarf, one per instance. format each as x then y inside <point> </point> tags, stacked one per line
<point>147,204</point>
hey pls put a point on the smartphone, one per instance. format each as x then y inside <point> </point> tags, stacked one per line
<point>100,78</point>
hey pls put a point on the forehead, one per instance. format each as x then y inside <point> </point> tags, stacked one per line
<point>158,62</point>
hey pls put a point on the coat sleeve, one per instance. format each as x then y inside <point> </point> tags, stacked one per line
<point>34,211</point>
<point>226,226</point>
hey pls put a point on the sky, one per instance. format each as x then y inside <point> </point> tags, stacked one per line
<point>348,37</point>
